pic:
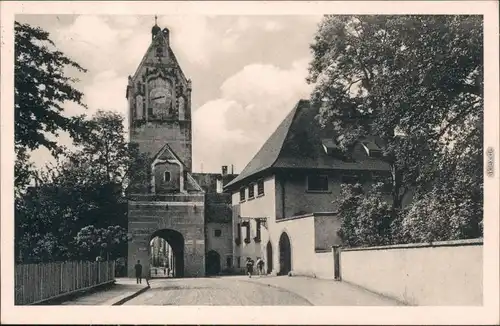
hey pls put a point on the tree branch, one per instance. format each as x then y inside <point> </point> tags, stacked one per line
<point>459,116</point>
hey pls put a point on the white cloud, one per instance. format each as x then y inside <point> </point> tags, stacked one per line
<point>106,92</point>
<point>96,42</point>
<point>253,102</point>
<point>195,39</point>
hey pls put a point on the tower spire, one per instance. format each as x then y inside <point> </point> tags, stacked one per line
<point>156,29</point>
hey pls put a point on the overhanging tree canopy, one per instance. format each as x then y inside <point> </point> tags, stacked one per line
<point>415,81</point>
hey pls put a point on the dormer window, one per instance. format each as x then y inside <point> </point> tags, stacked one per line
<point>329,146</point>
<point>166,176</point>
<point>371,149</point>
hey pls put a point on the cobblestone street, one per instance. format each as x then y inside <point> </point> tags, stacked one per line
<point>242,291</point>
<point>215,291</point>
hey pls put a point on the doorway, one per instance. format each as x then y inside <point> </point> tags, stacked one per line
<point>269,257</point>
<point>285,249</point>
<point>212,263</point>
<point>166,254</point>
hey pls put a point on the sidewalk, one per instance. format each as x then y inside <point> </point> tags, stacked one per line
<point>123,290</point>
<point>321,292</point>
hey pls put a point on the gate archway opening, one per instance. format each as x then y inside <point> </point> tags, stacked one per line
<point>285,249</point>
<point>166,252</point>
<point>212,263</point>
<point>269,257</point>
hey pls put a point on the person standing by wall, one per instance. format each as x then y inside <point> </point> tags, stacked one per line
<point>138,272</point>
<point>260,266</point>
<point>249,266</point>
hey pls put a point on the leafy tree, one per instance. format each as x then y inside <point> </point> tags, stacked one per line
<point>349,200</point>
<point>366,217</point>
<point>41,88</point>
<point>105,153</point>
<point>101,241</point>
<point>414,81</point>
<point>85,187</point>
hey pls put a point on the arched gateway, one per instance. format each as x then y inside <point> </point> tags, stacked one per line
<point>176,241</point>
<point>181,225</point>
<point>165,198</point>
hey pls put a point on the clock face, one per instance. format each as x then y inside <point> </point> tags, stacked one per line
<point>159,95</point>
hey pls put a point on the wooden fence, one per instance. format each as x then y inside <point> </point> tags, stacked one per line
<point>35,283</point>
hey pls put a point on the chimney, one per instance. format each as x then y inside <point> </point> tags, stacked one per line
<point>224,170</point>
<point>232,169</point>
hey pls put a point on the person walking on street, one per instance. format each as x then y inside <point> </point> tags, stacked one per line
<point>260,265</point>
<point>138,272</point>
<point>249,266</point>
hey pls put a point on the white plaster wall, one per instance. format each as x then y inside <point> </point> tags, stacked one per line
<point>223,244</point>
<point>323,265</point>
<point>261,206</point>
<point>301,234</point>
<point>439,275</point>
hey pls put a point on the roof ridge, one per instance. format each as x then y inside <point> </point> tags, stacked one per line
<point>294,110</point>
<point>275,141</point>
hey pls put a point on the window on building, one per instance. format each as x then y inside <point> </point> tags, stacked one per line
<point>257,235</point>
<point>251,189</point>
<point>166,176</point>
<point>247,234</point>
<point>329,146</point>
<point>317,183</point>
<point>238,234</point>
<point>260,188</point>
<point>372,149</point>
<point>242,194</point>
<point>217,233</point>
<point>350,178</point>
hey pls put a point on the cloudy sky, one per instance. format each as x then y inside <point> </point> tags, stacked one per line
<point>247,72</point>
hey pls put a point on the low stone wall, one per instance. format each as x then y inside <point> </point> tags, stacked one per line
<point>323,265</point>
<point>442,273</point>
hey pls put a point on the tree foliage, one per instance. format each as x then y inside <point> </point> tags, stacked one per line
<point>101,241</point>
<point>41,89</point>
<point>84,188</point>
<point>366,216</point>
<point>416,82</point>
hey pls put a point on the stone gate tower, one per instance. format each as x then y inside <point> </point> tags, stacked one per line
<point>167,202</point>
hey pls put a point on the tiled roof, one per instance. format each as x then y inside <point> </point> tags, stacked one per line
<point>298,143</point>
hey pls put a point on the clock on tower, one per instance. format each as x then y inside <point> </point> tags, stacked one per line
<point>159,97</point>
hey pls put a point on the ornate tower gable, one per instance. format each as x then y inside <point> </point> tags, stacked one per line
<point>170,174</point>
<point>159,98</point>
<point>159,90</point>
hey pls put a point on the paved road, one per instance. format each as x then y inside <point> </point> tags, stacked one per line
<point>225,291</point>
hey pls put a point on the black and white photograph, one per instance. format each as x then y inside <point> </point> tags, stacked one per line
<point>176,155</point>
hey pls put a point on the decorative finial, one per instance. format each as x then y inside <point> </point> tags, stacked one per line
<point>156,20</point>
